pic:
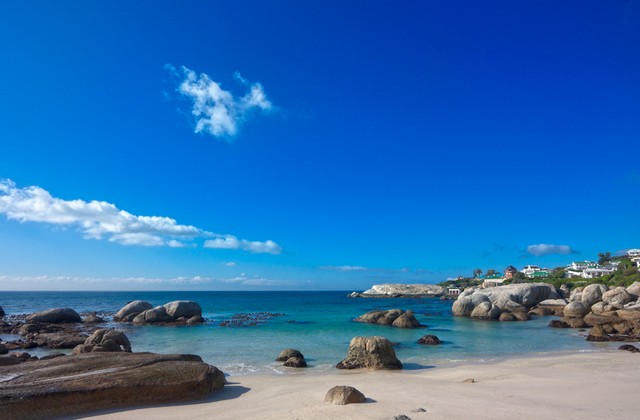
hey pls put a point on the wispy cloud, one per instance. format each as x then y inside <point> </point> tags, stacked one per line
<point>103,220</point>
<point>344,268</point>
<point>548,249</point>
<point>217,111</point>
<point>47,282</point>
<point>231,242</point>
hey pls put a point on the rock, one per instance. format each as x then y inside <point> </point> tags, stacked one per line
<point>606,318</point>
<point>287,354</point>
<point>370,352</point>
<point>469,381</point>
<point>577,296</point>
<point>565,291</point>
<point>634,290</point>
<point>429,339</point>
<point>195,320</point>
<point>629,347</point>
<point>593,294</point>
<point>92,319</point>
<point>521,316</point>
<point>52,356</point>
<point>26,329</point>
<point>342,395</point>
<point>400,417</point>
<point>524,295</point>
<point>506,316</point>
<point>183,309</point>
<point>597,334</point>
<point>3,349</point>
<point>540,311</point>
<point>155,315</point>
<point>58,340</point>
<point>576,322</point>
<point>629,315</point>
<point>8,361</point>
<point>406,320</point>
<point>575,309</point>
<point>600,308</point>
<point>295,362</point>
<point>67,386</point>
<point>54,316</point>
<point>104,340</point>
<point>616,298</point>
<point>1,312</point>
<point>558,323</point>
<point>394,317</point>
<point>485,310</point>
<point>403,290</point>
<point>22,356</point>
<point>131,309</point>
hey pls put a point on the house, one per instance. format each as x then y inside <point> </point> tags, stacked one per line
<point>533,271</point>
<point>582,265</point>
<point>591,273</point>
<point>634,255</point>
<point>510,271</point>
<point>492,280</point>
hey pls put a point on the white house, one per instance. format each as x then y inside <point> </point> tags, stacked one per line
<point>581,265</point>
<point>590,273</point>
<point>528,270</point>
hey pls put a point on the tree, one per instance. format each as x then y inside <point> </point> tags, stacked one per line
<point>604,257</point>
<point>477,273</point>
<point>491,272</point>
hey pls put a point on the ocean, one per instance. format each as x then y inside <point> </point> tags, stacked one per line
<point>319,324</point>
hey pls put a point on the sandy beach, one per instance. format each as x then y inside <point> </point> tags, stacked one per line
<point>597,385</point>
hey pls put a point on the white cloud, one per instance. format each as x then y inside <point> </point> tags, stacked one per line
<point>231,242</point>
<point>547,249</point>
<point>230,264</point>
<point>344,268</point>
<point>217,111</point>
<point>102,220</point>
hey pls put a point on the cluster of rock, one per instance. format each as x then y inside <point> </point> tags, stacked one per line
<point>178,312</point>
<point>514,302</point>
<point>104,340</point>
<point>401,290</point>
<point>392,317</point>
<point>249,319</point>
<point>370,353</point>
<point>292,358</point>
<point>613,313</point>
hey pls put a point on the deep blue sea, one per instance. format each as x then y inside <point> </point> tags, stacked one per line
<point>319,324</point>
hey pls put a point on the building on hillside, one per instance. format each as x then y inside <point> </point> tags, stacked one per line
<point>634,255</point>
<point>492,280</point>
<point>591,273</point>
<point>533,271</point>
<point>582,265</point>
<point>540,274</point>
<point>510,271</point>
<point>453,292</point>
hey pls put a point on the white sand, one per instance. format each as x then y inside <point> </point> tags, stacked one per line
<point>601,385</point>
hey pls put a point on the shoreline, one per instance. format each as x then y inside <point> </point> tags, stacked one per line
<point>598,384</point>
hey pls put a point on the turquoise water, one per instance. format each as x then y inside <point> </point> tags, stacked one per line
<point>319,324</point>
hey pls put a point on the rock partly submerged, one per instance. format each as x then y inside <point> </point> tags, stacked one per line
<point>401,290</point>
<point>370,353</point>
<point>66,386</point>
<point>392,317</point>
<point>179,312</point>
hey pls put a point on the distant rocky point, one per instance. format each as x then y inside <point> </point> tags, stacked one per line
<point>401,290</point>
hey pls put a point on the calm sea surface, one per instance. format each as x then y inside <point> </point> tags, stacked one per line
<point>319,324</point>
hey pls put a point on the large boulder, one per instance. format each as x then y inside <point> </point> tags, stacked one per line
<point>67,386</point>
<point>131,309</point>
<point>597,333</point>
<point>634,290</point>
<point>1,312</point>
<point>593,294</point>
<point>505,297</point>
<point>575,310</point>
<point>58,340</point>
<point>157,315</point>
<point>295,362</point>
<point>104,339</point>
<point>601,307</point>
<point>183,309</point>
<point>429,339</point>
<point>342,395</point>
<point>54,316</point>
<point>617,297</point>
<point>370,352</point>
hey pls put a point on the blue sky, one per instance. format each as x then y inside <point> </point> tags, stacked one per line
<point>312,145</point>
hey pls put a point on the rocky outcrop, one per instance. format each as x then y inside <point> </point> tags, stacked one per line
<point>490,303</point>
<point>634,290</point>
<point>429,339</point>
<point>592,294</point>
<point>55,316</point>
<point>104,340</point>
<point>67,386</point>
<point>179,312</point>
<point>393,317</point>
<point>370,352</point>
<point>616,298</point>
<point>575,309</point>
<point>93,319</point>
<point>342,395</point>
<point>58,340</point>
<point>131,310</point>
<point>401,290</point>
